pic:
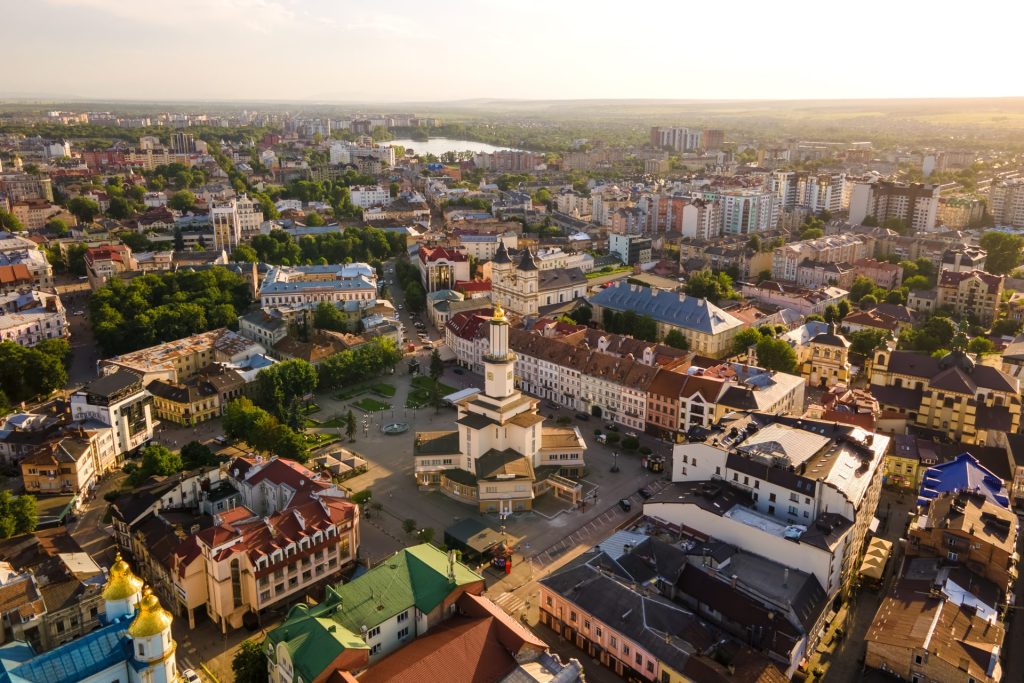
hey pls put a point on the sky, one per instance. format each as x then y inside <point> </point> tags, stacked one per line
<point>416,51</point>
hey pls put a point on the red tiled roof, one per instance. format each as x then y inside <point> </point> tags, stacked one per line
<point>468,324</point>
<point>13,274</point>
<point>473,286</point>
<point>110,252</point>
<point>437,253</point>
<point>280,472</point>
<point>951,278</point>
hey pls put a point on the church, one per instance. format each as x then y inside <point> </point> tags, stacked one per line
<point>526,288</point>
<point>501,456</point>
<point>134,645</point>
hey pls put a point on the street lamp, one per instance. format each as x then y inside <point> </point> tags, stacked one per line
<point>615,461</point>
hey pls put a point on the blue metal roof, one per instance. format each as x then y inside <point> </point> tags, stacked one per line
<point>670,308</point>
<point>963,473</point>
<point>103,649</point>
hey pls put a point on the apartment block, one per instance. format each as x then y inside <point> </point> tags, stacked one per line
<point>182,359</point>
<point>974,293</point>
<point>306,287</point>
<point>29,317</point>
<point>916,204</point>
<point>847,248</point>
<point>119,401</point>
<point>1006,202</point>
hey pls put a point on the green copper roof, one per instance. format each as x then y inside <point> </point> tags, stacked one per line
<point>413,577</point>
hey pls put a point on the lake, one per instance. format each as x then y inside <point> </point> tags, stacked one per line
<point>438,146</point>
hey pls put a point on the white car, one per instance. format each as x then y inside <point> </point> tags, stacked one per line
<point>190,676</point>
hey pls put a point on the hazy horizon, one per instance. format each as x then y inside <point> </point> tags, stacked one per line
<point>318,51</point>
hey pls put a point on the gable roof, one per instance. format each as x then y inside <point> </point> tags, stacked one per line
<point>670,308</point>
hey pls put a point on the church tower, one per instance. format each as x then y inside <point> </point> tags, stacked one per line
<point>153,645</point>
<point>499,361</point>
<point>501,274</point>
<point>122,592</point>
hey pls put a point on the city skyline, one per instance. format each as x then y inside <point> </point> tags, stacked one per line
<point>312,50</point>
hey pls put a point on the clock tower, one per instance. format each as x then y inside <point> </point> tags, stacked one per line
<point>499,362</point>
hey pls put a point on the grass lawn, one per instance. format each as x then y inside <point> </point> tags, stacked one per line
<point>371,405</point>
<point>424,382</point>
<point>334,422</point>
<point>384,389</point>
<point>318,440</point>
<point>597,273</point>
<point>310,409</point>
<point>350,393</point>
<point>418,398</point>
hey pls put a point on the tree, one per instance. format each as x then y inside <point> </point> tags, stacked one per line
<point>409,525</point>
<point>195,454</point>
<point>582,315</point>
<point>328,317</point>
<point>1006,327</point>
<point>930,336</point>
<point>8,221</point>
<point>183,200</point>
<point>676,340</point>
<point>278,386</point>
<point>25,514</point>
<point>705,284</point>
<point>425,535</point>
<point>811,233</point>
<point>394,189</point>
<point>290,444</point>
<point>84,209</point>
<point>754,243</point>
<point>27,373</point>
<point>981,345</point>
<point>775,354</point>
<point>843,307</point>
<point>917,283</point>
<point>436,365</point>
<point>866,341</point>
<point>861,287</point>
<point>156,460</point>
<point>350,426</point>
<point>56,227</point>
<point>1004,251</point>
<point>744,339</point>
<point>764,275</point>
<point>243,252</point>
<point>831,314</point>
<point>314,219</point>
<point>119,208</point>
<point>250,663</point>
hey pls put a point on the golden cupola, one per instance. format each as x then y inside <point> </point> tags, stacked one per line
<point>152,619</point>
<point>122,583</point>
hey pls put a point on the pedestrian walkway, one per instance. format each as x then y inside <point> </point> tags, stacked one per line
<point>510,602</point>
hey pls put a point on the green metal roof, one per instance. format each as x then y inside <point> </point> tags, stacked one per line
<point>413,577</point>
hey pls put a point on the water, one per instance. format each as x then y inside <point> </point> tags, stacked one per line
<point>439,146</point>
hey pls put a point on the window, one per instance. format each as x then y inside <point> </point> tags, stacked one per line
<point>549,601</point>
<point>650,667</point>
<point>373,632</point>
<point>794,498</point>
<point>598,632</point>
<point>375,649</point>
<point>952,557</point>
<point>918,659</point>
<point>586,624</point>
<point>403,616</point>
<point>572,617</point>
<point>625,649</point>
<point>404,633</point>
<point>613,643</point>
<point>771,509</point>
<point>771,497</point>
<point>793,510</point>
<point>639,658</point>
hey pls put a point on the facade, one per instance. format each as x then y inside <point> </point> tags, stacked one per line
<point>630,248</point>
<point>828,361</point>
<point>361,622</point>
<point>262,327</point>
<point>526,289</point>
<point>964,528</point>
<point>183,359</point>
<point>964,259</point>
<point>71,464</point>
<point>118,401</point>
<point>309,286</point>
<point>707,328</point>
<point>916,204</point>
<point>186,404</point>
<point>814,192</point>
<point>441,268</point>
<point>17,251</point>
<point>30,317</point>
<point>23,186</point>
<point>701,220</point>
<point>974,293</point>
<point>953,396</point>
<point>882,273</point>
<point>365,196</point>
<point>847,248</point>
<point>677,138</point>
<point>747,212</point>
<point>501,456</point>
<point>235,221</point>
<point>802,300</point>
<point>1006,202</point>
<point>106,262</point>
<point>815,274</point>
<point>780,487</point>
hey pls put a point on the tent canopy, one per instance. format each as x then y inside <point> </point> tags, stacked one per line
<point>875,558</point>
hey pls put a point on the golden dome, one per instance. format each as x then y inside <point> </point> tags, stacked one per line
<point>152,619</point>
<point>121,584</point>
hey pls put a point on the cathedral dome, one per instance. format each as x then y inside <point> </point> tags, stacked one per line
<point>122,583</point>
<point>152,618</point>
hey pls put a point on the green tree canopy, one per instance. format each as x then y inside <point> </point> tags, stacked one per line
<point>328,317</point>
<point>981,345</point>
<point>866,341</point>
<point>8,221</point>
<point>744,339</point>
<point>84,208</point>
<point>30,372</point>
<point>917,283</point>
<point>776,354</point>
<point>706,284</point>
<point>195,454</point>
<point>249,663</point>
<point>1004,251</point>
<point>676,340</point>
<point>183,200</point>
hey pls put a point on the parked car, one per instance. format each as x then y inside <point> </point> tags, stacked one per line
<point>582,416</point>
<point>459,371</point>
<point>602,438</point>
<point>630,435</point>
<point>625,504</point>
<point>611,427</point>
<point>645,493</point>
<point>190,676</point>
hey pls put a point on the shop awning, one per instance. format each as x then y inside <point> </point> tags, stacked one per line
<point>875,558</point>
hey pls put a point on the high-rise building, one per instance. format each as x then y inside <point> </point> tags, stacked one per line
<point>713,138</point>
<point>812,191</point>
<point>235,221</point>
<point>183,143</point>
<point>678,139</point>
<point>1006,202</point>
<point>748,211</point>
<point>916,204</point>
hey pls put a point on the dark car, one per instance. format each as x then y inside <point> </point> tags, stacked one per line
<point>582,416</point>
<point>612,427</point>
<point>625,504</point>
<point>645,493</point>
<point>459,371</point>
